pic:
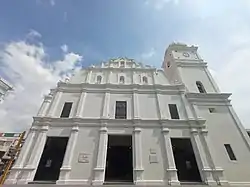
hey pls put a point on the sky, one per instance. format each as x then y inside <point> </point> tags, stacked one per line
<point>44,41</point>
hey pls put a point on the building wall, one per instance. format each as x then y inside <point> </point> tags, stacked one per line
<point>148,121</point>
<point>190,75</point>
<point>223,130</point>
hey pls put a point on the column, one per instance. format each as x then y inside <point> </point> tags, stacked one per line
<point>26,149</point>
<point>136,105</point>
<point>45,106</point>
<point>99,170</point>
<point>35,155</point>
<point>217,170</point>
<point>187,107</point>
<point>55,103</point>
<point>137,150</point>
<point>206,170</point>
<point>80,105</point>
<point>171,170</point>
<point>106,102</point>
<point>66,166</point>
<point>88,79</point>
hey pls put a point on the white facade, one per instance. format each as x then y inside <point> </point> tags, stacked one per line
<point>208,119</point>
<point>4,88</point>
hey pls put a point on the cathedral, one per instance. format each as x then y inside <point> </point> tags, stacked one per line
<point>124,122</point>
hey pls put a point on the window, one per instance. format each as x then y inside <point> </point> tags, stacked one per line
<point>99,79</point>
<point>122,64</point>
<point>200,87</point>
<point>173,111</point>
<point>121,110</point>
<point>145,80</point>
<point>230,151</point>
<point>122,79</point>
<point>66,110</point>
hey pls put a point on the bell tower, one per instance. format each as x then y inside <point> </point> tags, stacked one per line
<point>183,64</point>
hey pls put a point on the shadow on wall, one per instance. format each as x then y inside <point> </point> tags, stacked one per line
<point>160,141</point>
<point>94,134</point>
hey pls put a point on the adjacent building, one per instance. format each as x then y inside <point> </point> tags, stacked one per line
<point>5,87</point>
<point>125,122</point>
<point>8,142</point>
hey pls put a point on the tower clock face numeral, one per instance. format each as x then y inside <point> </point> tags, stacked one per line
<point>185,54</point>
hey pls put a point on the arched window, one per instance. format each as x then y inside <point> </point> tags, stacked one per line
<point>122,64</point>
<point>145,80</point>
<point>99,79</point>
<point>200,87</point>
<point>122,79</point>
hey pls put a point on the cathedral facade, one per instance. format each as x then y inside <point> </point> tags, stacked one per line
<point>126,122</point>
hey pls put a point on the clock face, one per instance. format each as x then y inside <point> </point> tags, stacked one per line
<point>185,54</point>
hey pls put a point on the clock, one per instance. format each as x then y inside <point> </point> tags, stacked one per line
<point>185,54</point>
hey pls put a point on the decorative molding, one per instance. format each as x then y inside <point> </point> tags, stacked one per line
<point>90,122</point>
<point>238,183</point>
<point>149,182</point>
<point>124,88</point>
<point>190,63</point>
<point>208,97</point>
<point>75,182</point>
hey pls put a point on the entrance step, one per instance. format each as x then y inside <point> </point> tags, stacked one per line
<point>113,185</point>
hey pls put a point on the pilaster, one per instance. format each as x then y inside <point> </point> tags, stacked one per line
<point>137,150</point>
<point>88,79</point>
<point>218,172</point>
<point>106,103</point>
<point>31,167</point>
<point>207,174</point>
<point>99,170</point>
<point>80,105</point>
<point>55,103</point>
<point>171,170</point>
<point>187,107</point>
<point>136,113</point>
<point>45,106</point>
<point>67,161</point>
<point>197,111</point>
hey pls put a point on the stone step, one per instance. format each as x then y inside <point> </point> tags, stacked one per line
<point>111,185</point>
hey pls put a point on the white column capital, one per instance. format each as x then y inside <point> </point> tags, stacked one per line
<point>137,130</point>
<point>44,128</point>
<point>194,131</point>
<point>103,129</point>
<point>204,132</point>
<point>165,130</point>
<point>75,129</point>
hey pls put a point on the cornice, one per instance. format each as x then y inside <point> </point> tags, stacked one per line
<point>145,69</point>
<point>208,97</point>
<point>190,63</point>
<point>117,88</point>
<point>90,122</point>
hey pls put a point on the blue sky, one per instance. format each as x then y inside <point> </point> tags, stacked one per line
<point>41,41</point>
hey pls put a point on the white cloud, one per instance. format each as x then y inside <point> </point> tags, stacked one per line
<point>52,2</point>
<point>32,76</point>
<point>160,4</point>
<point>64,48</point>
<point>33,34</point>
